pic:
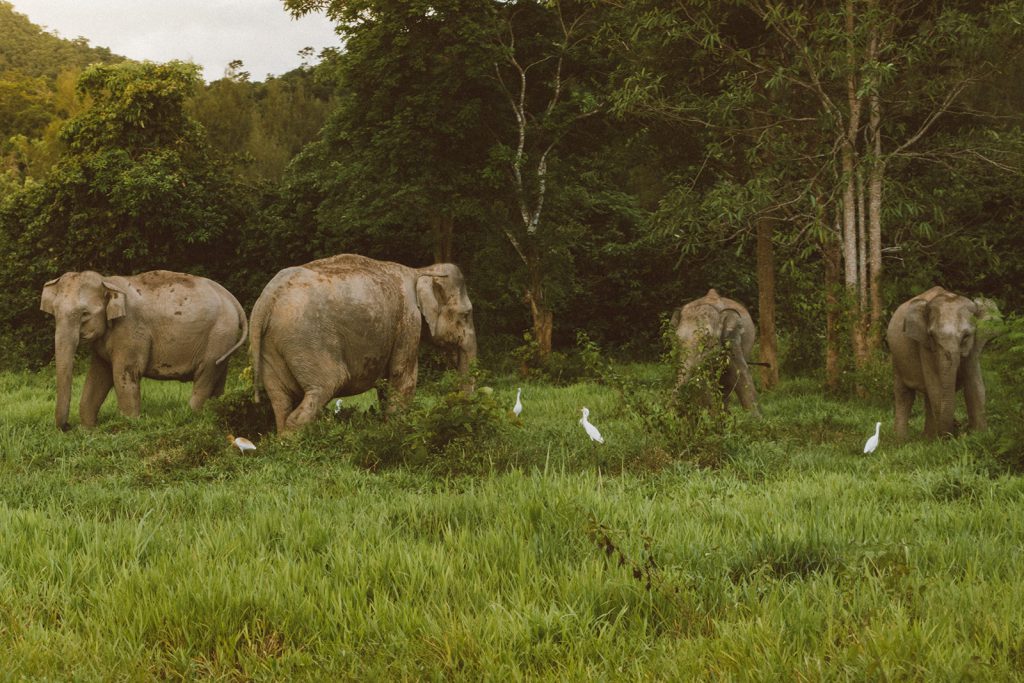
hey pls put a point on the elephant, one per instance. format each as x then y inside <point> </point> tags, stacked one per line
<point>936,343</point>
<point>159,324</point>
<point>714,322</point>
<point>336,326</point>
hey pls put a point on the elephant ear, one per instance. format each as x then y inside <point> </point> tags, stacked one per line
<point>915,322</point>
<point>115,300</point>
<point>49,296</point>
<point>429,298</point>
<point>989,322</point>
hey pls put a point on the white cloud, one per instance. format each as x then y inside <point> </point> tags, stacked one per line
<point>209,32</point>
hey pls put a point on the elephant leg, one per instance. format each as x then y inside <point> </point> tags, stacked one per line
<point>903,402</point>
<point>97,385</point>
<point>930,421</point>
<point>400,389</point>
<point>745,387</point>
<point>208,377</point>
<point>309,408</point>
<point>222,379</point>
<point>974,396</point>
<point>280,402</point>
<point>403,370</point>
<point>127,386</point>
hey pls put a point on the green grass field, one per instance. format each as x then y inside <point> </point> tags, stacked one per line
<point>150,549</point>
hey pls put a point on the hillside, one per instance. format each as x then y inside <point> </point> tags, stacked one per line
<point>33,52</point>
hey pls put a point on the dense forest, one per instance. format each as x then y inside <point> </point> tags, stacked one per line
<point>589,165</point>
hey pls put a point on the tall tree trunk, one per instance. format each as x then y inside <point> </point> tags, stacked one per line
<point>876,173</point>
<point>443,225</point>
<point>766,302</point>
<point>543,317</point>
<point>851,171</point>
<point>833,308</point>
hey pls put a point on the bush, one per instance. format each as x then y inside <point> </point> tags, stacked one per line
<point>441,435</point>
<point>686,422</point>
<point>557,368</point>
<point>1005,358</point>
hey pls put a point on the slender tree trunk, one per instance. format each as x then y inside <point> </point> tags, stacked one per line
<point>833,308</point>
<point>543,317</point>
<point>861,344</point>
<point>876,173</point>
<point>851,170</point>
<point>766,302</point>
<point>443,225</point>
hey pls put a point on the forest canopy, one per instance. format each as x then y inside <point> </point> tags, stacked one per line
<point>589,165</point>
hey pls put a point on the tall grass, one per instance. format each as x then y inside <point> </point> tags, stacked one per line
<point>150,549</point>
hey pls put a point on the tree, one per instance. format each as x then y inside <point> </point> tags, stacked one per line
<point>135,189</point>
<point>545,85</point>
<point>830,95</point>
<point>403,152</point>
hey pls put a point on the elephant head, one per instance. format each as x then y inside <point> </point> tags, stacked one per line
<point>947,328</point>
<point>443,300</point>
<point>84,305</point>
<point>702,329</point>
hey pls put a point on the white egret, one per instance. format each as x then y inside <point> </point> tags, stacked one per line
<point>518,407</point>
<point>337,406</point>
<point>243,444</point>
<point>872,442</point>
<point>591,429</point>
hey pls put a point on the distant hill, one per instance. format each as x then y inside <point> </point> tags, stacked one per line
<point>33,52</point>
<point>38,72</point>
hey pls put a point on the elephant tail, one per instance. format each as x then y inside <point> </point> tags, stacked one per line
<point>260,317</point>
<point>245,330</point>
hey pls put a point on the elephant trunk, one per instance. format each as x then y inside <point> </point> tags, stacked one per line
<point>691,358</point>
<point>948,366</point>
<point>65,343</point>
<point>465,357</point>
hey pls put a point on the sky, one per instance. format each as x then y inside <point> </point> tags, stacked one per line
<point>210,33</point>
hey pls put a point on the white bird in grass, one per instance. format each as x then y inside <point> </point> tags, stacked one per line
<point>242,443</point>
<point>872,442</point>
<point>337,406</point>
<point>518,407</point>
<point>591,429</point>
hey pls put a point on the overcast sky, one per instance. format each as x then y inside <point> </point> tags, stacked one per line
<point>210,33</point>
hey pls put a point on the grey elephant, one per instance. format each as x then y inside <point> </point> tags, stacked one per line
<point>160,324</point>
<point>936,346</point>
<point>709,324</point>
<point>336,326</point>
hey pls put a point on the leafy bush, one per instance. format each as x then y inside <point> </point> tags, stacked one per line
<point>686,422</point>
<point>435,434</point>
<point>1005,358</point>
<point>558,367</point>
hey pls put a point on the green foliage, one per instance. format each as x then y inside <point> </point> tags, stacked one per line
<point>1004,357</point>
<point>558,367</point>
<point>135,190</point>
<point>442,435</point>
<point>686,422</point>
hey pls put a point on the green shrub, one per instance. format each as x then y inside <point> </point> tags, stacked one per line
<point>443,434</point>
<point>685,422</point>
<point>558,368</point>
<point>1004,357</point>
